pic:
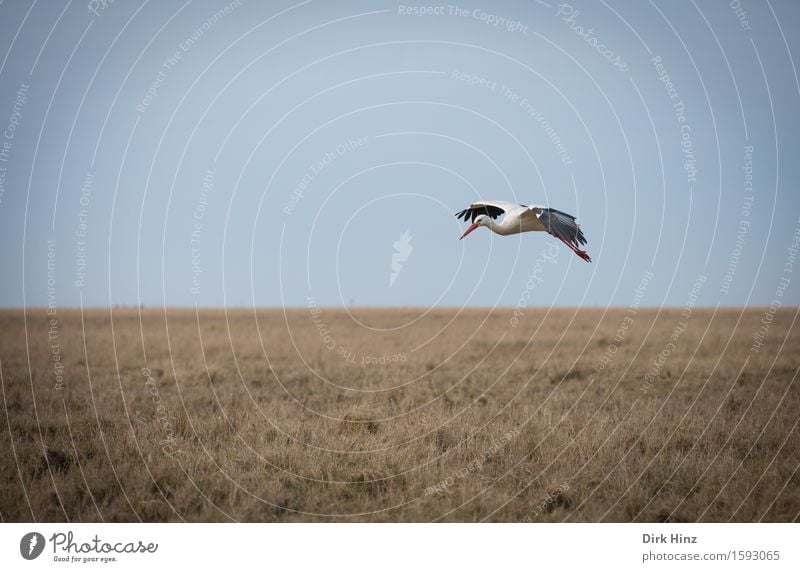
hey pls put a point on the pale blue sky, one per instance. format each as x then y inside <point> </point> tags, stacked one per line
<point>373,111</point>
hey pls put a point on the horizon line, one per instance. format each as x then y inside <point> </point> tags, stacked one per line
<point>410,307</point>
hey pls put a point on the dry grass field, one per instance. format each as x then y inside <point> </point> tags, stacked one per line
<point>399,415</point>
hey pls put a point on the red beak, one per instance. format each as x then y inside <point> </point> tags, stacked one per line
<point>469,230</point>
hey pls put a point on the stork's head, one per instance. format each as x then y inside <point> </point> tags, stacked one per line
<point>480,220</point>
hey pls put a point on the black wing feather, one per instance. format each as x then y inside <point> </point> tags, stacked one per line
<point>561,225</point>
<point>473,212</point>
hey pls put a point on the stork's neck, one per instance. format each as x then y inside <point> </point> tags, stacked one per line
<point>506,227</point>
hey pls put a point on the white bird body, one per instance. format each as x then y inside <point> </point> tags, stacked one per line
<point>522,218</point>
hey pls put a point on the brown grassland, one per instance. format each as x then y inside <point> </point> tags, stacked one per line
<point>273,415</point>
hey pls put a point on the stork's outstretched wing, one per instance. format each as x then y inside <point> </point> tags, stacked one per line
<point>560,225</point>
<point>564,227</point>
<point>491,208</point>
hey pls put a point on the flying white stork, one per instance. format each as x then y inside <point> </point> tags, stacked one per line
<point>522,218</point>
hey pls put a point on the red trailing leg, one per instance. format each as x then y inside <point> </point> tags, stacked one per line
<point>582,253</point>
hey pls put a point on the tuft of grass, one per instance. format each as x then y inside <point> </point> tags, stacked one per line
<point>56,461</point>
<point>354,423</point>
